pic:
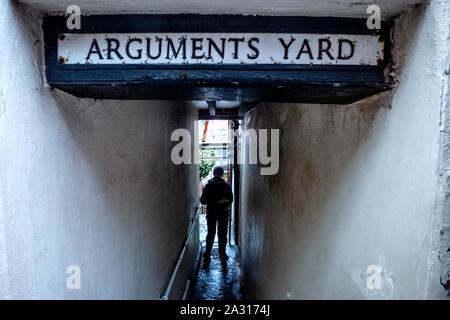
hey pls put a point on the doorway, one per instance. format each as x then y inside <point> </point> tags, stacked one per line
<point>218,147</point>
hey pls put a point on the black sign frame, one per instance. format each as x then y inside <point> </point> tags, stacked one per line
<point>250,83</point>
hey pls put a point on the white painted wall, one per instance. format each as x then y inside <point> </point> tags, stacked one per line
<point>359,185</point>
<point>342,8</point>
<point>85,182</point>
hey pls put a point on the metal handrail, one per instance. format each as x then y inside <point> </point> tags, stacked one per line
<point>180,258</point>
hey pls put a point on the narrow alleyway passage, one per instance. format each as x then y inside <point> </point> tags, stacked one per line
<point>217,283</point>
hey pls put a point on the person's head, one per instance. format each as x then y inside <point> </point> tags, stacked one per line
<point>218,172</point>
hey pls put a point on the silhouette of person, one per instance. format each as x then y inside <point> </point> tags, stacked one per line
<point>217,196</point>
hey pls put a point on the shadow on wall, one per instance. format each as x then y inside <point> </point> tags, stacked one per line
<point>356,187</point>
<point>91,182</point>
<point>131,181</point>
<point>317,144</point>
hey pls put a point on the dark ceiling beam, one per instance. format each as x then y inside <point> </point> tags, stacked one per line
<point>228,113</point>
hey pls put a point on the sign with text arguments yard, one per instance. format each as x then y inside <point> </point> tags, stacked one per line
<point>219,48</point>
<point>218,57</point>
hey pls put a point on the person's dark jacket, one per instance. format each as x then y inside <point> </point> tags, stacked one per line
<point>217,195</point>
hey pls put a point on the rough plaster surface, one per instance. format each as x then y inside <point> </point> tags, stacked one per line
<point>342,8</point>
<point>439,273</point>
<point>85,182</point>
<point>359,185</point>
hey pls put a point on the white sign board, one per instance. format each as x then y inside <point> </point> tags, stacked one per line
<point>219,48</point>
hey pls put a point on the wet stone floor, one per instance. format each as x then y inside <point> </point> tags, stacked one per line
<point>217,282</point>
